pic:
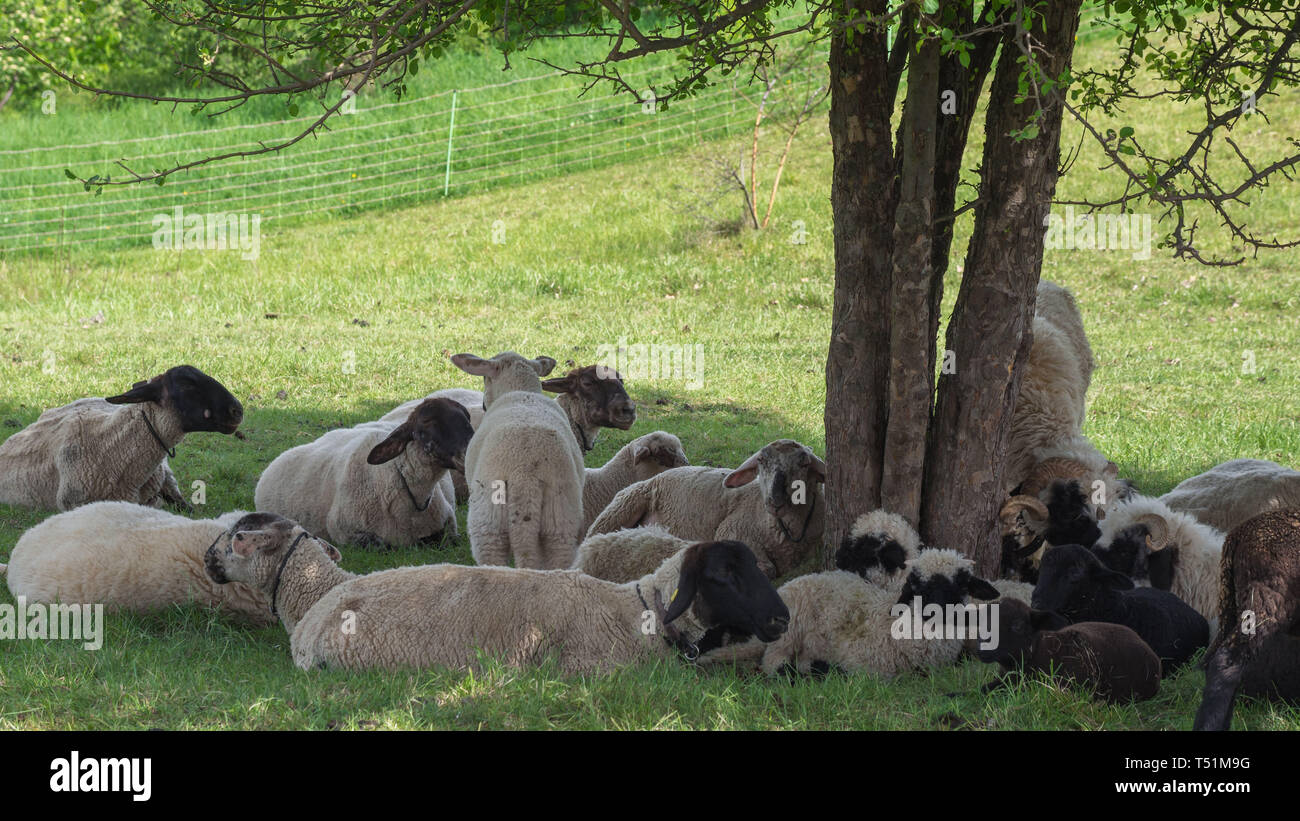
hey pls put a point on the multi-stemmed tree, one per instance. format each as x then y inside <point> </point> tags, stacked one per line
<point>895,437</point>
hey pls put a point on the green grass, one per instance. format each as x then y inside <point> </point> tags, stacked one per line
<point>588,259</point>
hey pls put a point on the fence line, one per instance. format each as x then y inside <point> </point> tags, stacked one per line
<point>421,154</point>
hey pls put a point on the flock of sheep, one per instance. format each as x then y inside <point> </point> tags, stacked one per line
<point>649,556</point>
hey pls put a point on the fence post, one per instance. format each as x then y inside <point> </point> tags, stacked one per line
<point>451,129</point>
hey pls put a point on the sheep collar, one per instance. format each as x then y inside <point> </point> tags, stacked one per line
<point>673,637</point>
<point>275,588</point>
<point>411,495</point>
<point>171,452</point>
<point>807,520</point>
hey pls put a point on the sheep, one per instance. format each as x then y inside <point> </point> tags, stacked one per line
<point>445,614</point>
<point>89,450</point>
<point>1109,660</point>
<point>1156,546</point>
<point>839,620</point>
<point>523,466</point>
<point>781,516</point>
<point>626,555</point>
<point>1256,651</point>
<point>1228,494</point>
<point>592,397</point>
<point>128,557</point>
<point>343,485</point>
<point>642,458</point>
<point>877,546</point>
<point>1073,582</point>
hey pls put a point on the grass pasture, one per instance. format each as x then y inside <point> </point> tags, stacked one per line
<point>342,318</point>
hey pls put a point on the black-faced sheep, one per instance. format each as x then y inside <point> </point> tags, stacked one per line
<point>376,485</point>
<point>1256,651</point>
<point>1108,660</point>
<point>524,468</point>
<point>444,615</point>
<point>772,502</point>
<point>93,450</point>
<point>592,397</point>
<point>1146,541</point>
<point>1073,582</point>
<point>1228,494</point>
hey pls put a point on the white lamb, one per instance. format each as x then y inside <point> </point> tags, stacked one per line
<point>1228,494</point>
<point>642,458</point>
<point>523,466</point>
<point>376,485</point>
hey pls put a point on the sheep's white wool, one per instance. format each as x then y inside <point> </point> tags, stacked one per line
<point>1228,494</point>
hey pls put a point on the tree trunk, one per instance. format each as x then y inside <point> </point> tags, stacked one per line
<point>856,371</point>
<point>990,328</point>
<point>911,341</point>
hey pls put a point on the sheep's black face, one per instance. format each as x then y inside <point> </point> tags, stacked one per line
<point>1014,634</point>
<point>599,394</point>
<point>201,402</point>
<point>1074,582</point>
<point>442,429</point>
<point>870,551</point>
<point>944,590</point>
<point>251,551</point>
<point>1071,518</point>
<point>732,593</point>
<point>1016,563</point>
<point>1128,553</point>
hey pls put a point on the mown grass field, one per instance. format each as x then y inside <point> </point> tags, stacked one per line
<point>590,259</point>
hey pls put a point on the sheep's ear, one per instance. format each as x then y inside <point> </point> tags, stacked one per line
<point>391,447</point>
<point>1047,620</point>
<point>1160,567</point>
<point>150,391</point>
<point>641,453</point>
<point>469,363</point>
<point>981,589</point>
<point>331,551</point>
<point>458,406</point>
<point>563,384</point>
<point>246,542</point>
<point>818,469</point>
<point>543,365</point>
<point>688,581</point>
<point>744,474</point>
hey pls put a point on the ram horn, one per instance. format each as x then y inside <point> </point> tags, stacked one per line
<point>1023,502</point>
<point>1049,470</point>
<point>1157,531</point>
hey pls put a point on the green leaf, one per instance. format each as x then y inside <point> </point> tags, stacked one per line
<point>1030,131</point>
<point>70,175</point>
<point>1125,132</point>
<point>293,109</point>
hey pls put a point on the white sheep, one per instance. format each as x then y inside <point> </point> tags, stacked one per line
<point>1169,550</point>
<point>128,557</point>
<point>592,397</point>
<point>376,485</point>
<point>628,554</point>
<point>446,615</point>
<point>93,450</point>
<point>1228,494</point>
<point>523,466</point>
<point>772,502</point>
<point>839,620</point>
<point>642,458</point>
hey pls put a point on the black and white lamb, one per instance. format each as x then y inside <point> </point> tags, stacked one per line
<point>1072,581</point>
<point>114,449</point>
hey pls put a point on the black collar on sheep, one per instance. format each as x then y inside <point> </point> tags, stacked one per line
<point>806,520</point>
<point>171,452</point>
<point>672,636</point>
<point>279,571</point>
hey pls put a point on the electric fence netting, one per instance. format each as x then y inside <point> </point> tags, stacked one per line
<point>374,155</point>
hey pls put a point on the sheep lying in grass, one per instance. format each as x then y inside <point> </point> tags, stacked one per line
<point>92,450</point>
<point>878,545</point>
<point>1109,660</point>
<point>1074,583</point>
<point>1228,494</point>
<point>592,397</point>
<point>839,620</point>
<point>128,557</point>
<point>772,502</point>
<point>376,485</point>
<point>625,555</point>
<point>524,468</point>
<point>444,615</point>
<point>1256,651</point>
<point>1153,545</point>
<point>643,458</point>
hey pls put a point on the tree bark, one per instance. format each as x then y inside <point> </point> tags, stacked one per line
<point>911,341</point>
<point>856,369</point>
<point>990,329</point>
